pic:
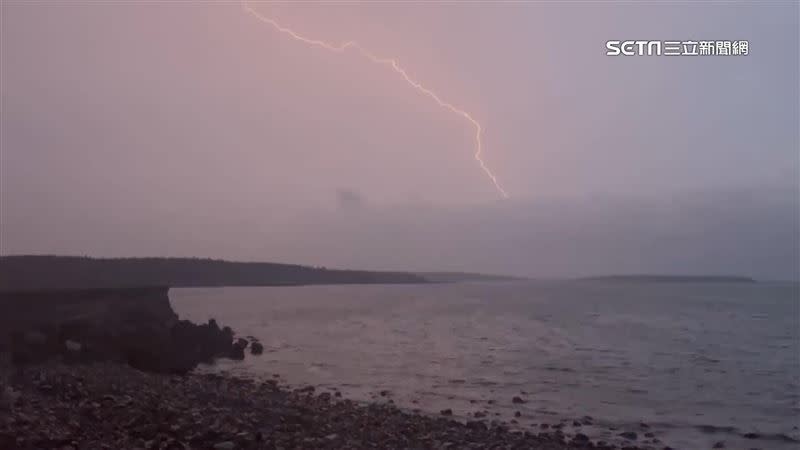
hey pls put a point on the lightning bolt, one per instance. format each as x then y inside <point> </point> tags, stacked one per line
<point>395,66</point>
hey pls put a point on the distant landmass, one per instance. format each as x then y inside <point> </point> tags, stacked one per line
<point>453,277</point>
<point>70,272</point>
<point>672,279</point>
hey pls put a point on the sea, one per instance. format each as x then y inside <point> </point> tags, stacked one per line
<point>692,363</point>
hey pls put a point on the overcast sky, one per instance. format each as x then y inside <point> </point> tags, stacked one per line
<point>191,128</point>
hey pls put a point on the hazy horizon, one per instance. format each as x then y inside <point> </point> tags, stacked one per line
<point>193,129</point>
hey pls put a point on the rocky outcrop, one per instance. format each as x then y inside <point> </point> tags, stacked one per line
<point>136,326</point>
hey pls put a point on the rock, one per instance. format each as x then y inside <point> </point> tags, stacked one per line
<point>227,445</point>
<point>719,444</point>
<point>8,397</point>
<point>446,412</point>
<point>479,414</point>
<point>256,348</point>
<point>384,393</point>
<point>649,435</point>
<point>517,414</point>
<point>176,445</point>
<point>630,435</point>
<point>244,436</point>
<point>72,346</point>
<point>227,332</point>
<point>751,435</point>
<point>580,437</point>
<point>517,400</point>
<point>35,338</point>
<point>237,350</point>
<point>476,425</point>
<point>204,342</point>
<point>575,423</point>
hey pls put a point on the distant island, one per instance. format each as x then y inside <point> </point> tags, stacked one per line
<point>671,279</point>
<point>72,272</point>
<point>454,277</point>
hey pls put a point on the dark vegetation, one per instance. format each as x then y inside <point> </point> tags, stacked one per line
<point>454,277</point>
<point>70,272</point>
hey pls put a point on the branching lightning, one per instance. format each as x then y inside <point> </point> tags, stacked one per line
<point>395,66</point>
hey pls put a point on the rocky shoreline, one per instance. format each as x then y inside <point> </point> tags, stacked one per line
<point>113,369</point>
<point>108,405</point>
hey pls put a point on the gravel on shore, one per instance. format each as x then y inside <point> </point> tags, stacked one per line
<point>113,406</point>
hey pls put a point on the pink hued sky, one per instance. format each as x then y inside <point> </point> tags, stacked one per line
<point>193,129</point>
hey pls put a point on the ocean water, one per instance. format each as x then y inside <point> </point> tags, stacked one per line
<point>698,363</point>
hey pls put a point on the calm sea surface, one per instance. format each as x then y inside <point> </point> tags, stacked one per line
<point>699,363</point>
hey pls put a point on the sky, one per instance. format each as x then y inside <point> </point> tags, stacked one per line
<point>194,129</point>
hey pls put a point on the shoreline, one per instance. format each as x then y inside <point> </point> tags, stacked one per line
<point>111,405</point>
<point>118,369</point>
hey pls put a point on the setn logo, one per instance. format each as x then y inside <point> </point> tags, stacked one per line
<point>630,48</point>
<point>678,48</point>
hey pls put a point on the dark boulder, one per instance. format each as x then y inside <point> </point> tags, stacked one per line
<point>237,350</point>
<point>256,348</point>
<point>201,342</point>
<point>476,425</point>
<point>630,435</point>
<point>580,437</point>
